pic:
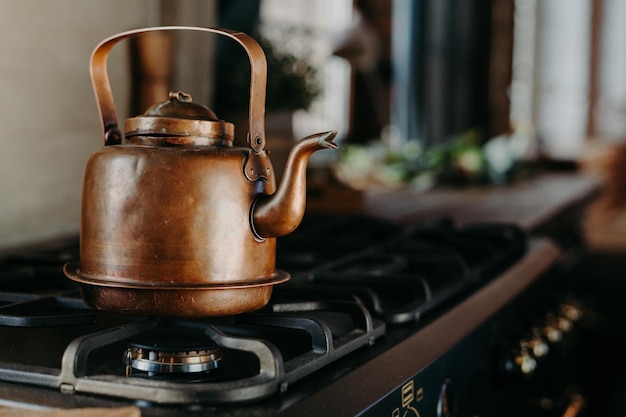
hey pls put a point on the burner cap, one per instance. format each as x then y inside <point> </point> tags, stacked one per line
<point>173,351</point>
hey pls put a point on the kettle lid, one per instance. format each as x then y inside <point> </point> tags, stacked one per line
<point>178,121</point>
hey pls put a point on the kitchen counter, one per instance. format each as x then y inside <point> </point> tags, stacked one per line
<point>531,204</point>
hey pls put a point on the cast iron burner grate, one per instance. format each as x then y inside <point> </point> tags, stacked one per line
<point>353,279</point>
<point>400,276</point>
<point>261,353</point>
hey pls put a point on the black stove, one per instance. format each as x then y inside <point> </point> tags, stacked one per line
<point>379,318</point>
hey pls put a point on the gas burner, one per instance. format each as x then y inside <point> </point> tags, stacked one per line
<point>172,350</point>
<point>155,361</point>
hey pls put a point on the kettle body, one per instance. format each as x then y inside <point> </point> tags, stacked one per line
<point>175,221</point>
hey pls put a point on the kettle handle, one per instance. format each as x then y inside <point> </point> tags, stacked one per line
<point>258,82</point>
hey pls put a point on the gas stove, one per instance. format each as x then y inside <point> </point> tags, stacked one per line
<point>379,318</point>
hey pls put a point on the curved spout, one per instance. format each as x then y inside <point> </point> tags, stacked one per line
<point>280,213</point>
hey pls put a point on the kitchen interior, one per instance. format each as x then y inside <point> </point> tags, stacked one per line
<point>460,119</point>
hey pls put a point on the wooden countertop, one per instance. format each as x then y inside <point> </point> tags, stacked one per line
<point>529,203</point>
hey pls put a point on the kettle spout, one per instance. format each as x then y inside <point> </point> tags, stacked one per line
<point>280,213</point>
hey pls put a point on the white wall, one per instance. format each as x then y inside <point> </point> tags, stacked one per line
<point>562,80</point>
<point>48,117</point>
<point>551,74</point>
<point>611,111</point>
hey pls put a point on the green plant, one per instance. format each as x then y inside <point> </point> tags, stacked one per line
<point>465,159</point>
<point>292,82</point>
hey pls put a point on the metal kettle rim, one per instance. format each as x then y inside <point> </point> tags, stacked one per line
<point>72,270</point>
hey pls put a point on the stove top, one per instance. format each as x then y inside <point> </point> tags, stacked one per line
<point>361,288</point>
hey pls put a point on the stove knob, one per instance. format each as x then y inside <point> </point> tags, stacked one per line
<point>538,345</point>
<point>525,362</point>
<point>564,324</point>
<point>551,329</point>
<point>572,311</point>
<point>444,402</point>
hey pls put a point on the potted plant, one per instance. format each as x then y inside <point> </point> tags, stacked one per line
<point>292,85</point>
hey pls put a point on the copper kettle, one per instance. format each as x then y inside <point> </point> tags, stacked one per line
<point>175,220</point>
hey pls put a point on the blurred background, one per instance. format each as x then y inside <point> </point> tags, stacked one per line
<point>422,93</point>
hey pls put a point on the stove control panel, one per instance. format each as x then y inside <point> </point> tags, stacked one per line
<point>494,367</point>
<point>523,356</point>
